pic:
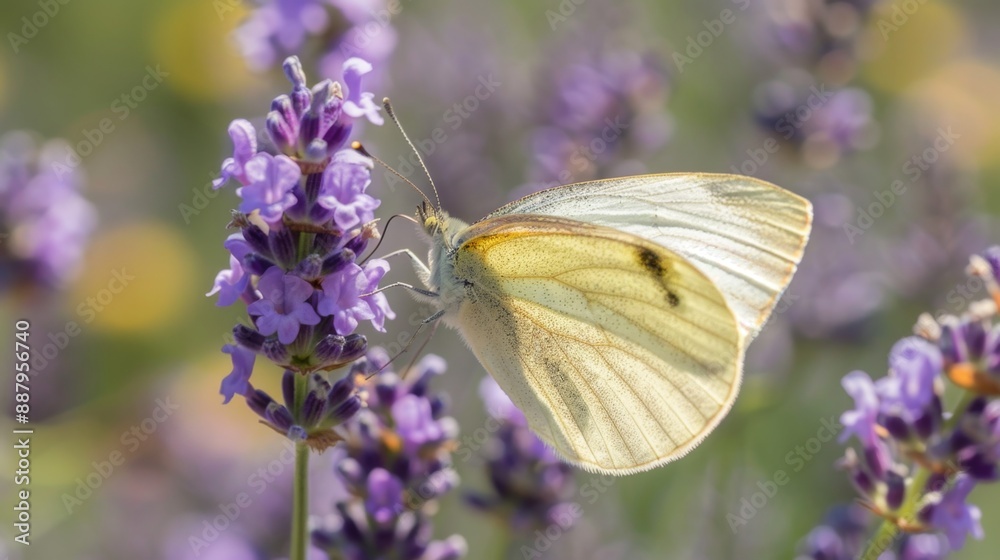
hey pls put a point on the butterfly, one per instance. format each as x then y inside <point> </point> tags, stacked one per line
<point>616,313</point>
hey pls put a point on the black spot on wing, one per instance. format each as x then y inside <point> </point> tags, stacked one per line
<point>672,298</point>
<point>650,261</point>
<point>653,264</point>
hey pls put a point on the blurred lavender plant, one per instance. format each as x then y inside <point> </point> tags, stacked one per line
<point>345,29</point>
<point>604,112</point>
<point>530,486</point>
<point>303,219</point>
<point>917,463</point>
<point>825,36</point>
<point>843,532</point>
<point>816,47</point>
<point>397,465</point>
<point>822,123</point>
<point>44,220</point>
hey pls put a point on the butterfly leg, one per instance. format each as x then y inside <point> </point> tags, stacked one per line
<point>410,287</point>
<point>418,265</point>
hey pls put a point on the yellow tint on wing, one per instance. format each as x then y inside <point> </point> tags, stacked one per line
<point>621,354</point>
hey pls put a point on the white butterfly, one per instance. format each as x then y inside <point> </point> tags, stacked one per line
<point>616,313</point>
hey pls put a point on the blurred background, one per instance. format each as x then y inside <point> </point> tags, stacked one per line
<point>882,113</point>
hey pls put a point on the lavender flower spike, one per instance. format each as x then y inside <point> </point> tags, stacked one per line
<point>304,216</point>
<point>920,463</point>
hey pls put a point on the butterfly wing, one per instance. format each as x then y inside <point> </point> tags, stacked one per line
<point>621,354</point>
<point>747,235</point>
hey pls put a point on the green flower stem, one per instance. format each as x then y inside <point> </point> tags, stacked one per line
<point>305,243</point>
<point>300,498</point>
<point>889,530</point>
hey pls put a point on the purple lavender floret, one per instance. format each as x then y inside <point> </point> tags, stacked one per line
<point>530,487</point>
<point>397,465</point>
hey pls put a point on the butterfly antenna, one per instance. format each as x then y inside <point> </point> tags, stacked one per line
<point>392,115</point>
<point>356,146</point>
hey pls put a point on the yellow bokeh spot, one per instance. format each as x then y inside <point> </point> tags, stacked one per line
<point>210,429</point>
<point>194,41</point>
<point>963,95</point>
<point>136,278</point>
<point>907,39</point>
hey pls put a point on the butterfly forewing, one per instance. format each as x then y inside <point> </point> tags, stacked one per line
<point>621,354</point>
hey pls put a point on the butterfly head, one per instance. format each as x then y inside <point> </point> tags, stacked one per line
<point>430,218</point>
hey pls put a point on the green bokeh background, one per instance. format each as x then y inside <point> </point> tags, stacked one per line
<point>160,337</point>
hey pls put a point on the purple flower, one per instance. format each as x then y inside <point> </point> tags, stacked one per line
<point>374,270</point>
<point>42,214</point>
<point>415,423</point>
<point>348,297</point>
<point>230,284</point>
<point>908,392</point>
<point>602,115</point>
<point>244,138</point>
<point>924,546</point>
<point>841,535</point>
<point>342,191</point>
<point>992,257</point>
<point>313,202</point>
<point>341,299</point>
<point>530,485</point>
<point>385,496</point>
<point>498,404</point>
<point>283,308</point>
<point>953,516</point>
<point>325,407</point>
<point>347,28</point>
<point>359,103</point>
<point>278,28</point>
<point>270,180</point>
<point>862,421</point>
<point>976,440</point>
<point>398,463</point>
<point>238,380</point>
